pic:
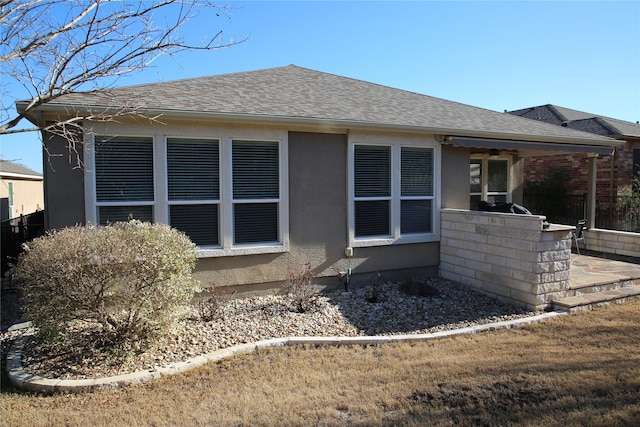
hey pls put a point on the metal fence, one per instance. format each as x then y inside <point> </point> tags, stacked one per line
<point>620,213</point>
<point>17,231</point>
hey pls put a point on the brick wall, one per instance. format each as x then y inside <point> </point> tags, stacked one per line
<point>510,257</point>
<point>576,166</point>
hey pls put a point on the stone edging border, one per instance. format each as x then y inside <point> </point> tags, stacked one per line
<point>26,381</point>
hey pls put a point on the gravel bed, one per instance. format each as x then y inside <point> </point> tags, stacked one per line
<point>386,311</point>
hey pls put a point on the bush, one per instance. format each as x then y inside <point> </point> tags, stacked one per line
<point>375,295</point>
<point>301,296</point>
<point>131,280</point>
<point>212,306</point>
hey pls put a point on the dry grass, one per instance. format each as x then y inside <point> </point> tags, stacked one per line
<point>578,370</point>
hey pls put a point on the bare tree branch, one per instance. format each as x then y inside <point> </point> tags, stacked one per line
<point>56,47</point>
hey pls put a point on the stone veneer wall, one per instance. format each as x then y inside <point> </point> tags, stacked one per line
<point>613,242</point>
<point>508,256</point>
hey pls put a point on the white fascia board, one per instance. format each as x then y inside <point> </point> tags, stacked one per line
<point>21,176</point>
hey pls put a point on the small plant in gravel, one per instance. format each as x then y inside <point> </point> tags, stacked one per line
<point>212,306</point>
<point>418,288</point>
<point>374,295</point>
<point>128,281</point>
<point>300,294</point>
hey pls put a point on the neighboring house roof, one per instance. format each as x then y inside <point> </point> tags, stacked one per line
<point>293,94</point>
<point>581,120</point>
<point>13,170</point>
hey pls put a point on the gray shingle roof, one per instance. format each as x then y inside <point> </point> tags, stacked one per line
<point>292,93</point>
<point>582,120</point>
<point>8,168</point>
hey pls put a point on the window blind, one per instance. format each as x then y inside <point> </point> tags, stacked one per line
<point>124,169</point>
<point>416,167</point>
<point>193,169</point>
<point>372,218</point>
<point>416,216</point>
<point>255,223</point>
<point>372,171</point>
<point>111,214</point>
<point>256,171</point>
<point>199,222</point>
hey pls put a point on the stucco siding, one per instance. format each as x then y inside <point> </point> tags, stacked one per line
<point>317,219</point>
<point>63,184</point>
<point>317,201</point>
<point>455,177</point>
<point>318,228</point>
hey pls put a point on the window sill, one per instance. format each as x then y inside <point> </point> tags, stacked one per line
<point>388,241</point>
<point>204,252</point>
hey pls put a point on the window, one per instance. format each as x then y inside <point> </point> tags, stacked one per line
<point>372,180</point>
<point>489,180</point>
<point>393,194</point>
<point>124,179</point>
<point>416,190</point>
<point>256,191</point>
<point>193,188</point>
<point>228,195</point>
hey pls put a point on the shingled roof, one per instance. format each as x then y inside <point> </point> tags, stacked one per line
<point>293,94</point>
<point>581,120</point>
<point>14,170</point>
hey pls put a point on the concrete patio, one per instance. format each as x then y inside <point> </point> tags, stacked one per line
<point>598,279</point>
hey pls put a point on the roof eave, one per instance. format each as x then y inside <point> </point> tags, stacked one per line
<point>21,176</point>
<point>69,109</point>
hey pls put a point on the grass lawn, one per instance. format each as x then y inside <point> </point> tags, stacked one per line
<point>577,370</point>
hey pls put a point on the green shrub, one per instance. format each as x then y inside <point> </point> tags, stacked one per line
<point>131,280</point>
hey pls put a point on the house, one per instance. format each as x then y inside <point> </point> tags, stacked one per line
<point>21,190</point>
<point>614,172</point>
<point>268,170</point>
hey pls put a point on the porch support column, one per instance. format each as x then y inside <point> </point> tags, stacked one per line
<point>591,191</point>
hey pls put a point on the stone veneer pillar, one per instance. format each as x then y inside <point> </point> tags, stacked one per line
<point>508,256</point>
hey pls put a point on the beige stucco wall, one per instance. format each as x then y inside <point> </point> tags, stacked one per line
<point>27,195</point>
<point>455,186</point>
<point>318,227</point>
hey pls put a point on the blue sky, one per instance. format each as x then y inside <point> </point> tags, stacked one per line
<point>496,55</point>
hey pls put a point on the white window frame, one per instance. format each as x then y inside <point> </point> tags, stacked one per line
<point>395,142</point>
<point>91,199</point>
<point>192,202</point>
<point>225,215</point>
<point>484,176</point>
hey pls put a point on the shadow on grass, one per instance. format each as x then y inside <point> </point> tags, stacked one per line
<point>589,375</point>
<point>522,400</point>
